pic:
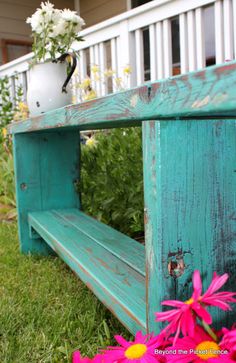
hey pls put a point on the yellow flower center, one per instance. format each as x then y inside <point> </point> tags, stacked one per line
<point>136,351</point>
<point>207,349</point>
<point>189,301</point>
<point>90,142</point>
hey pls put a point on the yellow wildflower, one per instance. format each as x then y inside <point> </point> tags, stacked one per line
<point>86,83</point>
<point>4,132</point>
<point>118,81</point>
<point>96,77</point>
<point>69,58</point>
<point>91,142</point>
<point>95,68</point>
<point>23,107</point>
<point>127,70</point>
<point>76,72</point>
<point>90,95</point>
<point>109,73</point>
<point>74,99</point>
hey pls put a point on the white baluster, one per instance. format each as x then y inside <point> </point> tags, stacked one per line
<point>200,39</point>
<point>153,52</point>
<point>167,48</point>
<point>183,42</point>
<point>126,51</point>
<point>228,29</point>
<point>234,26</point>
<point>139,55</point>
<point>191,40</point>
<point>114,61</point>
<point>92,63</point>
<point>103,61</point>
<point>97,62</point>
<point>159,50</point>
<point>82,66</point>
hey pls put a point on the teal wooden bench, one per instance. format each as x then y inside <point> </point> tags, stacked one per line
<point>189,159</point>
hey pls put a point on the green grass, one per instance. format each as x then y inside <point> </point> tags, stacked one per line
<point>46,312</point>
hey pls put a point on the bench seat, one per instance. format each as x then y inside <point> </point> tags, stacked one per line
<point>110,263</point>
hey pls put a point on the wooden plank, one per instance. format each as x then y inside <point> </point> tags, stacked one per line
<point>117,285</point>
<point>40,183</point>
<point>210,92</point>
<point>120,245</point>
<point>219,32</point>
<point>190,207</point>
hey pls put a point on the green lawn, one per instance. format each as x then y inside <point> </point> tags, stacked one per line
<point>46,312</point>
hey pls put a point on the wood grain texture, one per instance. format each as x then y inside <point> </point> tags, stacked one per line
<point>113,281</point>
<point>190,201</point>
<point>46,166</point>
<point>120,245</point>
<point>207,93</point>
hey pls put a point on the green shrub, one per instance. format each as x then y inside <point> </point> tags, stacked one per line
<point>112,179</point>
<point>8,107</point>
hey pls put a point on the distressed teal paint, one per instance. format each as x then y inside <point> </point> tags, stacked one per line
<point>112,280</point>
<point>207,93</point>
<point>46,166</point>
<point>120,245</point>
<point>189,187</point>
<point>190,201</point>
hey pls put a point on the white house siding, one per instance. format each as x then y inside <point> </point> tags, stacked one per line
<point>96,11</point>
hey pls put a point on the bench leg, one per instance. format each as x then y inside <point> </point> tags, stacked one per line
<point>190,201</point>
<point>46,170</point>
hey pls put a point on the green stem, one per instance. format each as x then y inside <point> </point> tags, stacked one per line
<point>209,331</point>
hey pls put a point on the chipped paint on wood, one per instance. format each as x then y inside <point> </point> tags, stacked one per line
<point>183,96</point>
<point>112,280</point>
<point>190,198</point>
<point>189,187</point>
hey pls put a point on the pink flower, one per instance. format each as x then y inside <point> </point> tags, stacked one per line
<point>198,349</point>
<point>229,339</point>
<point>77,358</point>
<point>183,318</point>
<point>141,350</point>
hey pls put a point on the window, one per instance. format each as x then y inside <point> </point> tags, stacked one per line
<point>135,3</point>
<point>12,49</point>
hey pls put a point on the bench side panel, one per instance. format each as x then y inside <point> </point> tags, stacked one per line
<point>46,169</point>
<point>190,200</point>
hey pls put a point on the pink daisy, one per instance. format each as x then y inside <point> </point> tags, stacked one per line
<point>183,318</point>
<point>141,350</point>
<point>198,349</point>
<point>77,358</point>
<point>229,339</point>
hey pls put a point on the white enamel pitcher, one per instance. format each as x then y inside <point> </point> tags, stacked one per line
<point>47,85</point>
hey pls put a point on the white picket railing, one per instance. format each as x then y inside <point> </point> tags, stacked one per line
<point>118,41</point>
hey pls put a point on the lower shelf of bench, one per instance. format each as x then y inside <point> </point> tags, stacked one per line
<point>110,263</point>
